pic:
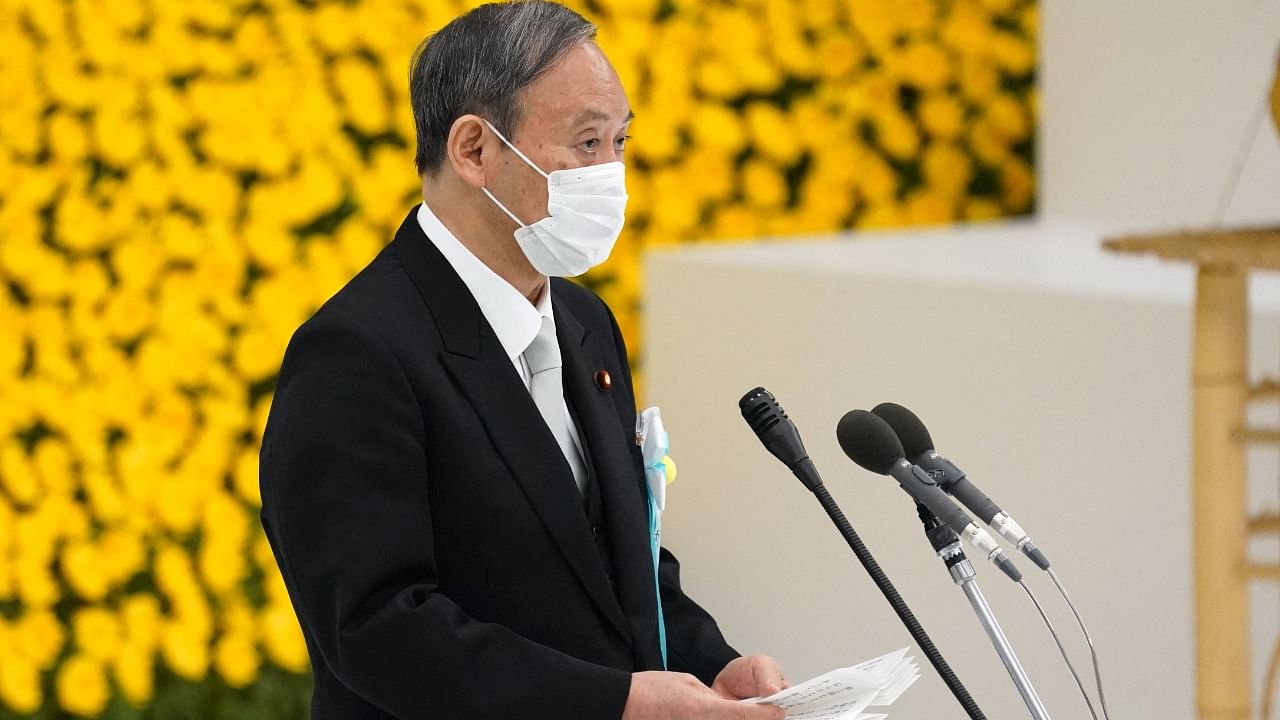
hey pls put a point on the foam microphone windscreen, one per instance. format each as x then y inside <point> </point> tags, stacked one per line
<point>911,432</point>
<point>869,441</point>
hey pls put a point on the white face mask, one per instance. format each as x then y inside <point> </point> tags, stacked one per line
<point>586,209</point>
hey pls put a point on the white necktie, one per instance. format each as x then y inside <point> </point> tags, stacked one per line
<point>546,385</point>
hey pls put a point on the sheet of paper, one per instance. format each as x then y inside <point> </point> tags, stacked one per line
<point>843,693</point>
<point>822,698</point>
<point>880,667</point>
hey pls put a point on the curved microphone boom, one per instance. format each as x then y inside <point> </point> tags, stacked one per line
<point>781,438</point>
<point>918,446</point>
<point>872,444</point>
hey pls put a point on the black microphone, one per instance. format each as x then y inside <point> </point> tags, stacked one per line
<point>918,446</point>
<point>778,434</point>
<point>872,444</point>
<point>781,438</point>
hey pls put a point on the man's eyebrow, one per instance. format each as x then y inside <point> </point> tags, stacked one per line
<point>591,114</point>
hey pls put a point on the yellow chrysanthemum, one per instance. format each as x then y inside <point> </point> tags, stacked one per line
<point>236,660</point>
<point>7,580</point>
<point>876,179</point>
<point>772,134</point>
<point>360,89</point>
<point>7,516</point>
<point>1013,53</point>
<point>925,65</point>
<point>839,54</point>
<point>282,638</point>
<point>988,142</point>
<point>979,79</point>
<point>947,169</point>
<point>174,574</point>
<point>17,475</point>
<point>981,210</point>
<point>97,633</point>
<point>968,27</point>
<point>263,557</point>
<point>140,616</point>
<point>884,214</point>
<point>245,476</point>
<point>20,685</point>
<point>928,207</point>
<point>718,78</point>
<point>718,127</point>
<point>37,588</point>
<point>897,134</point>
<point>675,211</point>
<point>1008,117</point>
<point>222,566</point>
<point>763,184</point>
<point>186,651</point>
<point>36,532</point>
<point>38,637</point>
<point>1016,185</point>
<point>68,138</point>
<point>999,6</point>
<point>82,686</point>
<point>134,672</point>
<point>942,115</point>
<point>85,570</point>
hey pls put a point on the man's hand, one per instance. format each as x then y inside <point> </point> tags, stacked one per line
<point>755,676</point>
<point>676,696</point>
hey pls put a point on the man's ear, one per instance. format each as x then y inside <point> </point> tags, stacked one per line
<point>469,148</point>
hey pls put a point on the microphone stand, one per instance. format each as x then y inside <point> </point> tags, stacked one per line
<point>946,544</point>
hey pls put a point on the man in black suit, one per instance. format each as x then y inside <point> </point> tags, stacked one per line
<point>450,476</point>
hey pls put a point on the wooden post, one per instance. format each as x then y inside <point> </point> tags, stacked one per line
<point>1220,389</point>
<point>1219,382</point>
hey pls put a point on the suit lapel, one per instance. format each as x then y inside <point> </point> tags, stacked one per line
<point>480,367</point>
<point>618,477</point>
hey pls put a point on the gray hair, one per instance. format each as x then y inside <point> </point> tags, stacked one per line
<point>480,62</point>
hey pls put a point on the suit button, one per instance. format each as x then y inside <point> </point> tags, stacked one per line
<point>609,577</point>
<point>595,533</point>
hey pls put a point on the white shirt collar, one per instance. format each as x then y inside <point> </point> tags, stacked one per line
<point>514,320</point>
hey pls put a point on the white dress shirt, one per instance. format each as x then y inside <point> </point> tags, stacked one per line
<point>513,318</point>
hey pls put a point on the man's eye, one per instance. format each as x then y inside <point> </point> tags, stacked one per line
<point>591,145</point>
<point>621,143</point>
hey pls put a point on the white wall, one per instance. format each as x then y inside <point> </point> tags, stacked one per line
<point>1144,104</point>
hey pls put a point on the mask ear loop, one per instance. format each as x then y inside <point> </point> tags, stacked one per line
<point>515,149</point>
<point>502,207</point>
<point>526,160</point>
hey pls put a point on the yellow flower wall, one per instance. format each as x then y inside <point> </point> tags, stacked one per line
<point>183,182</point>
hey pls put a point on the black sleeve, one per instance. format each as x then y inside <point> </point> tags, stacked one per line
<point>695,644</point>
<point>344,486</point>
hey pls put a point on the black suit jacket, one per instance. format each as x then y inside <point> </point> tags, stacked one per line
<point>434,545</point>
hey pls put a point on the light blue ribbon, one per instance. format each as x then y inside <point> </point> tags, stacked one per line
<point>655,543</point>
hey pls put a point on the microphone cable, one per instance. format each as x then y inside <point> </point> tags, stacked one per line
<point>1093,653</point>
<point>1062,651</point>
